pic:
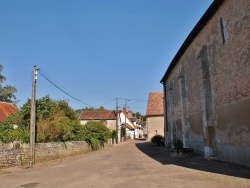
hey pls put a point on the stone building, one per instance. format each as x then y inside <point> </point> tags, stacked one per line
<point>207,85</point>
<point>108,116</point>
<point>155,114</point>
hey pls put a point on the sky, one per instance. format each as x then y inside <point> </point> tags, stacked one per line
<point>93,50</point>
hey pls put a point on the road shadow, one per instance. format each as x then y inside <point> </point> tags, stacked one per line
<point>197,162</point>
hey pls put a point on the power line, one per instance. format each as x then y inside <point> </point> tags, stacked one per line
<point>142,100</point>
<point>56,85</point>
<point>108,102</point>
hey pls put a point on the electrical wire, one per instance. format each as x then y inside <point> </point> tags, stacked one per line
<point>46,77</point>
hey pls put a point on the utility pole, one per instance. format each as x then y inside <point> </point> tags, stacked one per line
<point>33,117</point>
<point>117,119</point>
<point>125,117</point>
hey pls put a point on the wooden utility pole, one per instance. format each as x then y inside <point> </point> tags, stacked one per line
<point>33,117</point>
<point>117,114</point>
<point>117,120</point>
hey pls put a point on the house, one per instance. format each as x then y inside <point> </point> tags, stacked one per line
<point>113,121</point>
<point>125,122</point>
<point>207,85</point>
<point>6,109</point>
<point>155,114</point>
<point>106,115</point>
<point>137,123</point>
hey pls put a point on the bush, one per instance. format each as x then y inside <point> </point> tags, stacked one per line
<point>178,144</point>
<point>158,140</point>
<point>97,130</point>
<point>94,143</point>
<point>115,136</point>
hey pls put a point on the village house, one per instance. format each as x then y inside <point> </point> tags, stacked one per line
<point>155,115</point>
<point>137,123</point>
<point>207,85</point>
<point>108,116</point>
<point>114,121</point>
<point>6,109</point>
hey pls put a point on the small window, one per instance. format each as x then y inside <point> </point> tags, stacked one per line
<point>222,31</point>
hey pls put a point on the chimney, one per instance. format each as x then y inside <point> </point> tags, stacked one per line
<point>124,110</point>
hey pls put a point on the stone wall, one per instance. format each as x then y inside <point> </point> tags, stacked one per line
<point>17,154</point>
<point>208,89</point>
<point>155,125</point>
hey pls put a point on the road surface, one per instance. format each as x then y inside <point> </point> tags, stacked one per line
<point>128,164</point>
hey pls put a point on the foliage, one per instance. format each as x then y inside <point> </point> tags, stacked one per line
<point>139,116</point>
<point>6,92</point>
<point>55,121</point>
<point>9,134</point>
<point>115,136</point>
<point>178,144</point>
<point>123,131</point>
<point>94,143</point>
<point>78,111</point>
<point>158,140</point>
<point>97,130</point>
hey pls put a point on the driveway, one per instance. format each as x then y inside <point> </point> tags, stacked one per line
<point>128,164</point>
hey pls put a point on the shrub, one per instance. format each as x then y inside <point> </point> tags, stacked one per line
<point>178,143</point>
<point>97,130</point>
<point>115,136</point>
<point>158,140</point>
<point>94,143</point>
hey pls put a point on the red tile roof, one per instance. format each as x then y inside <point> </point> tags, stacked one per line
<point>97,115</point>
<point>155,104</point>
<point>6,109</point>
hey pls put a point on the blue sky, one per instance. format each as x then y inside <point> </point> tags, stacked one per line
<point>96,50</point>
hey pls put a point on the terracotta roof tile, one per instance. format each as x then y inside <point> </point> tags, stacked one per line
<point>97,115</point>
<point>6,109</point>
<point>155,104</point>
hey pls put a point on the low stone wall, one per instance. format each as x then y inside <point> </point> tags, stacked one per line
<point>17,154</point>
<point>12,154</point>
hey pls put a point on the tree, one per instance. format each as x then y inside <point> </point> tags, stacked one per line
<point>6,92</point>
<point>78,111</point>
<point>55,121</point>
<point>96,130</point>
<point>139,116</point>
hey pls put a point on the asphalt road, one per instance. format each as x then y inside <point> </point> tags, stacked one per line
<point>128,164</point>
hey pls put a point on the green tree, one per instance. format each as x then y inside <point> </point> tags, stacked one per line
<point>6,92</point>
<point>55,121</point>
<point>96,130</point>
<point>78,111</point>
<point>9,134</point>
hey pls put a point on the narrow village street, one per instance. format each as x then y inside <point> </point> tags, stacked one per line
<point>129,164</point>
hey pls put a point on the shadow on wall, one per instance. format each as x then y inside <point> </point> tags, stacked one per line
<point>197,162</point>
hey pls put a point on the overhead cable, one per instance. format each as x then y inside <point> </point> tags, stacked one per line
<point>56,85</point>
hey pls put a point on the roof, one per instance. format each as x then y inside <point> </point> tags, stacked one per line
<point>192,35</point>
<point>155,104</point>
<point>129,126</point>
<point>6,109</point>
<point>97,115</point>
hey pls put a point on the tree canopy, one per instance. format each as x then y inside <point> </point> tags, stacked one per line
<point>78,111</point>
<point>7,91</point>
<point>55,121</point>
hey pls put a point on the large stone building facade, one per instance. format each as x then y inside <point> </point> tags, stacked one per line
<point>155,115</point>
<point>207,85</point>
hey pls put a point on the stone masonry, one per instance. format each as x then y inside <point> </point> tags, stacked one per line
<point>207,85</point>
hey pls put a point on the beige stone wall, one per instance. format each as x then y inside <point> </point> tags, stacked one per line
<point>155,125</point>
<point>215,70</point>
<point>16,154</point>
<point>111,124</point>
